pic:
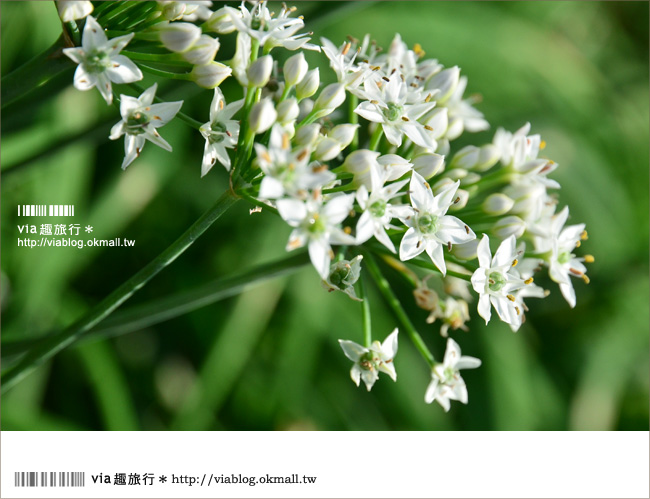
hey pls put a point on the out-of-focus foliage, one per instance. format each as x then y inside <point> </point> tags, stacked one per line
<point>269,358</point>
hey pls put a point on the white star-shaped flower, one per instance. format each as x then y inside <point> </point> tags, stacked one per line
<point>369,361</point>
<point>378,210</point>
<point>446,382</point>
<point>140,118</point>
<point>99,61</point>
<point>429,227</point>
<point>288,172</point>
<point>496,281</point>
<point>317,225</point>
<point>220,133</point>
<point>387,106</point>
<point>343,276</point>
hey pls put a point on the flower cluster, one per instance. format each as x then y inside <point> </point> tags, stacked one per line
<point>362,166</point>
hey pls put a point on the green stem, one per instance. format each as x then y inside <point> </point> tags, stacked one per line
<point>376,137</point>
<point>396,306</point>
<point>161,58</point>
<point>73,31</point>
<point>365,314</point>
<point>56,343</point>
<point>166,74</point>
<point>35,73</point>
<point>353,118</point>
<point>166,308</point>
<point>350,186</point>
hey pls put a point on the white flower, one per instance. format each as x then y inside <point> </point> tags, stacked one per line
<point>288,172</point>
<point>69,11</point>
<point>317,226</point>
<point>460,109</point>
<point>429,227</point>
<point>446,383</point>
<point>203,51</point>
<point>563,263</point>
<point>496,280</point>
<point>378,211</point>
<point>343,275</point>
<point>369,361</point>
<point>188,11</point>
<point>308,85</point>
<point>259,71</point>
<point>387,106</point>
<point>99,61</point>
<point>220,133</point>
<point>262,116</point>
<point>140,118</point>
<point>210,75</point>
<point>271,32</point>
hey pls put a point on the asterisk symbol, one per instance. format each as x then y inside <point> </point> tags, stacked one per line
<point>89,228</point>
<point>162,479</point>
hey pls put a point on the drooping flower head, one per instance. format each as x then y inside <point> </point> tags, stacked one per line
<point>368,362</point>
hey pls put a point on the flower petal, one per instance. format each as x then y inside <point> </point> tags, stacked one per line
<point>123,70</point>
<point>319,253</point>
<point>352,350</point>
<point>411,246</point>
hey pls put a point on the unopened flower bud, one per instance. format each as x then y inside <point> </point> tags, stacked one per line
<point>460,201</point>
<point>288,110</point>
<point>327,149</point>
<point>295,69</point>
<point>307,135</point>
<point>331,97</point>
<point>220,22</point>
<point>428,164</point>
<point>455,128</point>
<point>436,122</point>
<point>488,157</point>
<point>360,161</point>
<point>497,204</point>
<point>308,85</point>
<point>203,51</point>
<point>394,166</point>
<point>179,37</point>
<point>343,134</point>
<point>210,75</point>
<point>445,82</point>
<point>69,11</point>
<point>465,251</point>
<point>508,226</point>
<point>262,116</point>
<point>425,298</point>
<point>172,10</point>
<point>259,72</point>
<point>466,158</point>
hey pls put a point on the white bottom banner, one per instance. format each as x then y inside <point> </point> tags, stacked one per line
<point>327,464</point>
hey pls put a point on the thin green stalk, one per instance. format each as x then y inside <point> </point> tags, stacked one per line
<point>73,31</point>
<point>353,119</point>
<point>168,307</point>
<point>376,137</point>
<point>166,74</point>
<point>425,264</point>
<point>396,306</point>
<point>102,310</point>
<point>34,73</point>
<point>350,186</point>
<point>161,58</point>
<point>365,314</point>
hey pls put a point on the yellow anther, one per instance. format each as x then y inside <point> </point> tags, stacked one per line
<point>285,141</point>
<point>427,127</point>
<point>427,98</point>
<point>347,230</point>
<point>346,48</point>
<point>578,244</point>
<point>510,297</point>
<point>404,118</point>
<point>542,144</point>
<point>528,281</point>
<point>517,310</point>
<point>417,48</point>
<point>584,236</point>
<point>426,184</point>
<point>589,259</point>
<point>221,104</point>
<point>515,262</point>
<point>585,278</point>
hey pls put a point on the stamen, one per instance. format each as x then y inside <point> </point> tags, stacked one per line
<point>457,199</point>
<point>404,118</point>
<point>427,127</point>
<point>220,105</point>
<point>347,230</point>
<point>285,141</point>
<point>385,78</point>
<point>418,244</point>
<point>515,262</point>
<point>374,102</point>
<point>467,229</point>
<point>449,245</point>
<point>302,155</point>
<point>528,281</point>
<point>542,144</point>
<point>589,259</point>
<point>584,236</point>
<point>585,278</point>
<point>517,310</point>
<point>578,244</point>
<point>510,297</point>
<point>417,48</point>
<point>427,98</point>
<point>346,48</point>
<point>576,272</point>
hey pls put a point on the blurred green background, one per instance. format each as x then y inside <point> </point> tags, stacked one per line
<point>269,358</point>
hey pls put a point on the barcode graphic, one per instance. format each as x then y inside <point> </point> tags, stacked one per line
<point>49,479</point>
<point>42,210</point>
